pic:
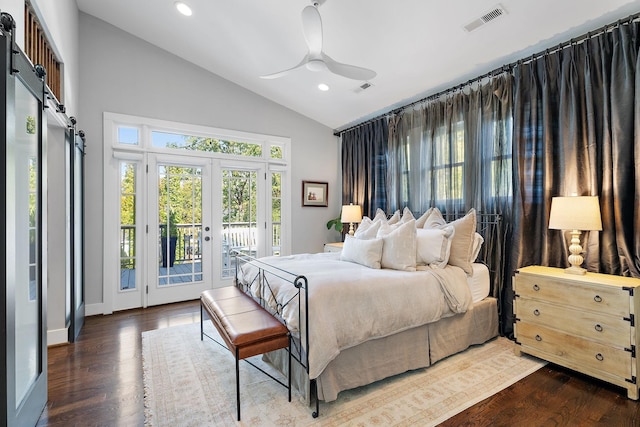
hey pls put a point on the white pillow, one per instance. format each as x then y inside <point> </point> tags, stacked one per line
<point>433,246</point>
<point>363,252</point>
<point>478,240</point>
<point>399,248</point>
<point>462,244</point>
<point>380,215</point>
<point>395,218</point>
<point>407,216</point>
<point>367,229</point>
<point>423,218</point>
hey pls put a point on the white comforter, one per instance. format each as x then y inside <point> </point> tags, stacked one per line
<point>350,304</point>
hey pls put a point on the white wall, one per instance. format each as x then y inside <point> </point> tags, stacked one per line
<point>123,74</point>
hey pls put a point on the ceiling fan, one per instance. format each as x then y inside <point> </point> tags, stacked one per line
<point>316,59</point>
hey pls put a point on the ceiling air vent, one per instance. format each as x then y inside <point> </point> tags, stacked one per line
<point>495,13</point>
<point>364,86</point>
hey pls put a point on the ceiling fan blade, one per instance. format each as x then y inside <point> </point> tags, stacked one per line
<point>284,72</point>
<point>312,28</point>
<point>348,71</point>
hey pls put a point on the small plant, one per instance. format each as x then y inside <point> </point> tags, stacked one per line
<point>336,224</point>
<point>173,227</point>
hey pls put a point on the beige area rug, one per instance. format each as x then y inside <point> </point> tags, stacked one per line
<point>189,382</point>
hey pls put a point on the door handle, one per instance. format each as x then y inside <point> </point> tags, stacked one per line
<point>207,238</point>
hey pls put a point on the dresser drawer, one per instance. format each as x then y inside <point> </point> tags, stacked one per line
<point>578,295</point>
<point>594,326</point>
<point>590,356</point>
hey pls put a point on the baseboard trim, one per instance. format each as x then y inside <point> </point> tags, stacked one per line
<point>93,309</point>
<point>57,336</point>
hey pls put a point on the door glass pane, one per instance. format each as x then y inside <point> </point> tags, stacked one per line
<point>128,204</point>
<point>239,216</point>
<point>180,221</point>
<point>276,205</point>
<point>67,234</point>
<point>78,230</point>
<point>23,263</point>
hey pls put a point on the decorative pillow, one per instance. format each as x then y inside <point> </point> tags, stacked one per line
<point>363,252</point>
<point>433,246</point>
<point>399,248</point>
<point>367,229</point>
<point>395,218</point>
<point>434,219</point>
<point>423,218</point>
<point>462,244</point>
<point>380,215</point>
<point>407,216</point>
<point>478,240</point>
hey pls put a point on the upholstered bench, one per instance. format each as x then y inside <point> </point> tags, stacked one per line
<point>247,328</point>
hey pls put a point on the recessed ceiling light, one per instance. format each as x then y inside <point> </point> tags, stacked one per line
<point>323,87</point>
<point>183,8</point>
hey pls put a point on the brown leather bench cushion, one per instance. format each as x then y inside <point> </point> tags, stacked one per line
<point>243,324</point>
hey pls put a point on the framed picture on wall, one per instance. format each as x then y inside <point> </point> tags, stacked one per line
<point>315,193</point>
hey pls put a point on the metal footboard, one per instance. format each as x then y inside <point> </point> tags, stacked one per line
<point>258,286</point>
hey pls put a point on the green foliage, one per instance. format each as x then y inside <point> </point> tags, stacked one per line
<point>172,226</point>
<point>336,224</point>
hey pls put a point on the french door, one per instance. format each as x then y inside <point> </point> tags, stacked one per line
<point>180,200</point>
<point>199,211</point>
<point>180,228</point>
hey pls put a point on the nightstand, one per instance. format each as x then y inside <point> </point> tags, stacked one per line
<point>585,323</point>
<point>333,247</point>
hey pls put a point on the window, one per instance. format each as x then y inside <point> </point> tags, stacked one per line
<point>127,135</point>
<point>197,143</point>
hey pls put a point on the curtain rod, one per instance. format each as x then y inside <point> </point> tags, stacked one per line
<point>503,69</point>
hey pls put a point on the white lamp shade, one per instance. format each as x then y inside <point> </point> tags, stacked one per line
<point>575,213</point>
<point>351,213</point>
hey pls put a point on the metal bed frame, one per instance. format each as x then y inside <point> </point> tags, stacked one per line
<point>488,225</point>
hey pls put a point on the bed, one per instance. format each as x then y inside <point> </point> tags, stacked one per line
<point>354,324</point>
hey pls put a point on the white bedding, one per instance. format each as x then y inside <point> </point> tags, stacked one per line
<point>350,304</point>
<point>479,283</point>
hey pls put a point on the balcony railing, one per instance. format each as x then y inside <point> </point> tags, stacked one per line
<point>237,235</point>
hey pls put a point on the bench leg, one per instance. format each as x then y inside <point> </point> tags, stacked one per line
<point>238,382</point>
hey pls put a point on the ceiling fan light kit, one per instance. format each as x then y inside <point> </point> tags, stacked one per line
<point>316,59</point>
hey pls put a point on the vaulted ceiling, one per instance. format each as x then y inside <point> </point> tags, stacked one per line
<point>416,47</point>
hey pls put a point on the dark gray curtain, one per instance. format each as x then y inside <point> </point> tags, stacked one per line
<point>364,166</point>
<point>576,122</point>
<point>454,153</point>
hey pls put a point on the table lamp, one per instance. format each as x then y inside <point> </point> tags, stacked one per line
<point>351,214</point>
<point>575,213</point>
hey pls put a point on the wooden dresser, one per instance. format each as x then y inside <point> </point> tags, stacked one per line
<point>585,323</point>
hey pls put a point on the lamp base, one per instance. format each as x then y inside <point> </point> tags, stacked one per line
<point>575,270</point>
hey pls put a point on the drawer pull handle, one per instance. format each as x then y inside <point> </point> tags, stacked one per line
<point>536,288</point>
<point>600,357</point>
<point>598,328</point>
<point>536,312</point>
<point>538,338</point>
<point>597,298</point>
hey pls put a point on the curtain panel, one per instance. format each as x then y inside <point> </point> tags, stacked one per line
<point>364,165</point>
<point>455,153</point>
<point>576,122</point>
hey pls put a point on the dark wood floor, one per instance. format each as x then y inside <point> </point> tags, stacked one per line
<point>98,382</point>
